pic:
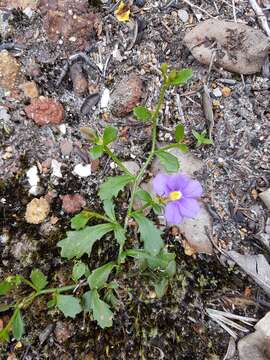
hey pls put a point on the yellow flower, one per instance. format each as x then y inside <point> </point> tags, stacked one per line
<point>122,12</point>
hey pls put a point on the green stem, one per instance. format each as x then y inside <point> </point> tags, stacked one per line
<point>168,147</point>
<point>57,290</point>
<point>101,217</point>
<point>151,154</point>
<point>116,160</point>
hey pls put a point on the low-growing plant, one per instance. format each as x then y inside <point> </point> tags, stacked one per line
<point>176,195</point>
<point>202,138</point>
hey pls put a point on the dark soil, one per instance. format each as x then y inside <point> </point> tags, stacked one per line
<point>235,170</point>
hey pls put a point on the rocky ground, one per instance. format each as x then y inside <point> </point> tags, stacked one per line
<point>67,64</point>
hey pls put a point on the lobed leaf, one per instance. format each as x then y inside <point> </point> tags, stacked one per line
<point>69,305</point>
<point>119,234</point>
<point>108,206</point>
<point>101,311</point>
<point>38,279</point>
<point>113,185</point>
<point>150,235</point>
<point>80,242</point>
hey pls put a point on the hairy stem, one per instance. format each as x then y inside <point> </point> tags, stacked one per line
<point>116,160</point>
<point>151,154</point>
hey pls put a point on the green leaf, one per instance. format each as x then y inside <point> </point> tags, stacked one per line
<point>80,242</point>
<point>108,206</point>
<point>109,135</point>
<point>164,68</point>
<point>168,161</point>
<point>101,311</point>
<point>4,335</point>
<point>182,147</point>
<point>5,287</point>
<point>144,196</point>
<point>150,235</point>
<point>160,261</point>
<point>161,286</point>
<point>69,305</point>
<point>99,276</point>
<point>4,307</point>
<point>17,325</point>
<point>78,270</point>
<point>87,301</point>
<point>179,132</point>
<point>80,220</point>
<point>51,303</point>
<point>39,280</point>
<point>96,152</point>
<point>113,185</point>
<point>181,77</point>
<point>142,113</point>
<point>157,208</point>
<point>119,234</point>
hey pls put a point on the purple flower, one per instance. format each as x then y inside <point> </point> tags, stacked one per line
<point>180,194</point>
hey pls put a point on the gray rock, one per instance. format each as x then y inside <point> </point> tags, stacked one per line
<point>265,197</point>
<point>256,345</point>
<point>239,48</point>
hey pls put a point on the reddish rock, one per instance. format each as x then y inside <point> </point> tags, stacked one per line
<point>45,111</point>
<point>126,95</point>
<point>72,203</point>
<point>70,20</point>
<point>79,81</point>
<point>62,332</point>
<point>66,147</point>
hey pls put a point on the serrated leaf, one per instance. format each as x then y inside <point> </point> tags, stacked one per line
<point>168,161</point>
<point>119,234</point>
<point>99,276</point>
<point>39,280</point>
<point>109,135</point>
<point>108,206</point>
<point>80,220</point>
<point>101,311</point>
<point>69,305</point>
<point>5,287</point>
<point>113,185</point>
<point>80,242</point>
<point>96,152</point>
<point>78,270</point>
<point>142,113</point>
<point>17,325</point>
<point>181,77</point>
<point>150,235</point>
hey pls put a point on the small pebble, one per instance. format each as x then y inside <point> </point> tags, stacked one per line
<point>32,175</point>
<point>82,170</point>
<point>139,3</point>
<point>265,197</point>
<point>217,92</point>
<point>72,203</point>
<point>183,15</point>
<point>226,91</point>
<point>37,211</point>
<point>56,168</point>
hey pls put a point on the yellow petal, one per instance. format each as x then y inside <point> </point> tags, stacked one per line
<point>122,12</point>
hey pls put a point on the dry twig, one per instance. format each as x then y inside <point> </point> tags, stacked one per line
<point>260,15</point>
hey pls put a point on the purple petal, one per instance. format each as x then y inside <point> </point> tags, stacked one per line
<point>172,213</point>
<point>188,207</point>
<point>177,182</point>
<point>193,189</point>
<point>160,184</point>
